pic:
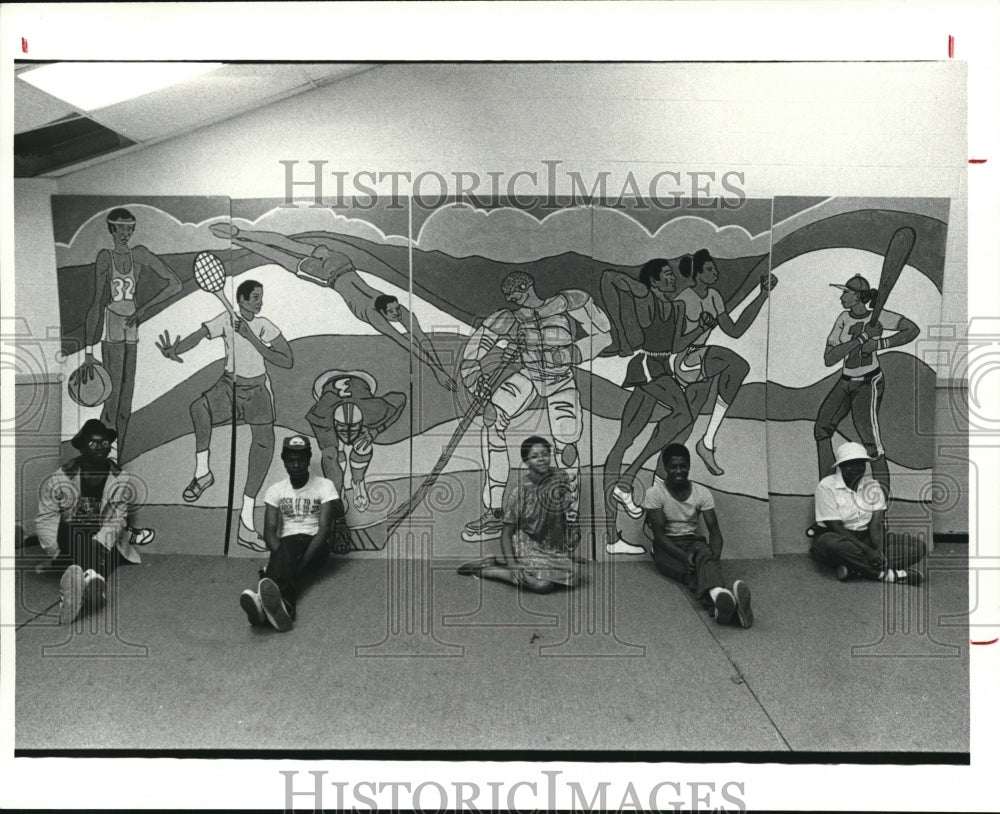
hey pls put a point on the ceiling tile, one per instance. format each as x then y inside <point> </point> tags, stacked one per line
<point>228,91</point>
<point>34,108</point>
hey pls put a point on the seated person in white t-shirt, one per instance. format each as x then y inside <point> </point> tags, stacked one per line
<point>300,512</point>
<point>850,525</point>
<point>673,506</point>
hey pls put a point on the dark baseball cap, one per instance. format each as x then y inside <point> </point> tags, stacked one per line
<point>296,443</point>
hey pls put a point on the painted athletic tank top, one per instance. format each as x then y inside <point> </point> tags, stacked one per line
<point>122,284</point>
<point>659,336</point>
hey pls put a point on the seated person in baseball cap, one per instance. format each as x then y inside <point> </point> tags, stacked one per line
<point>82,520</point>
<point>300,512</point>
<point>850,530</point>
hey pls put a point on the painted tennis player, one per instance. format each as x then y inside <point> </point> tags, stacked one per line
<point>251,342</point>
<point>321,264</point>
<point>117,274</point>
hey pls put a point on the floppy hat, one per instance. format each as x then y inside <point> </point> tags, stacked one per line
<point>851,451</point>
<point>91,426</point>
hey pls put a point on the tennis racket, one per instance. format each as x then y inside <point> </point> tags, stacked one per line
<point>211,275</point>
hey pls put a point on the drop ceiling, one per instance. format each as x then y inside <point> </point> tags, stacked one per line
<point>53,138</point>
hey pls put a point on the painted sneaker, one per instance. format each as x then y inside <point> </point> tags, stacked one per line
<point>725,607</point>
<point>621,546</point>
<point>708,456</point>
<point>487,527</point>
<point>744,613</point>
<point>70,594</point>
<point>94,589</point>
<point>249,538</point>
<point>254,609</point>
<point>624,497</point>
<point>140,537</point>
<point>275,608</point>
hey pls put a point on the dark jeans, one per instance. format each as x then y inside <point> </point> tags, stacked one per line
<point>77,547</point>
<point>288,565</point>
<point>708,569</point>
<point>834,549</point>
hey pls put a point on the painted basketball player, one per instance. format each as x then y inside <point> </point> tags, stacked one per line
<point>117,273</point>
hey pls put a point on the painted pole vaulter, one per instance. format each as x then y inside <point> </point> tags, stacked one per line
<point>321,264</point>
<point>543,334</point>
<point>117,272</point>
<point>243,391</point>
<point>856,338</point>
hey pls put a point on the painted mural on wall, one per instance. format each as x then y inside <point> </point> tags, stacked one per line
<point>867,275</point>
<point>419,344</point>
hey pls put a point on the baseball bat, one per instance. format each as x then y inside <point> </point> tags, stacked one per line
<point>896,255</point>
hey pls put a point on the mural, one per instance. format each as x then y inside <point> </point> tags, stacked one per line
<point>419,343</point>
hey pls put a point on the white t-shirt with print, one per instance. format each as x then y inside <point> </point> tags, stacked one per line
<point>299,508</point>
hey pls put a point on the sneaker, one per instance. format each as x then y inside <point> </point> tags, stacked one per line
<point>843,573</point>
<point>251,604</point>
<point>744,613</point>
<point>70,594</point>
<point>487,527</point>
<point>913,577</point>
<point>725,607</point>
<point>624,497</point>
<point>248,538</point>
<point>621,546</point>
<point>708,457</point>
<point>94,589</point>
<point>140,537</point>
<point>275,608</point>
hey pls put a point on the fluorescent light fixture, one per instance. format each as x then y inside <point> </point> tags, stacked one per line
<point>93,85</point>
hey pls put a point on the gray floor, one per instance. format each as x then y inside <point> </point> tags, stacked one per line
<point>408,655</point>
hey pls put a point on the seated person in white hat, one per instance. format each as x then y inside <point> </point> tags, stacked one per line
<point>300,513</point>
<point>82,520</point>
<point>850,531</point>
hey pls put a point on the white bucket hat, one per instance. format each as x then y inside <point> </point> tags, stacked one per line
<point>851,451</point>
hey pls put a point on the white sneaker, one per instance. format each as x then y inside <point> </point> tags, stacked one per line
<point>252,606</point>
<point>624,496</point>
<point>70,594</point>
<point>621,546</point>
<point>94,589</point>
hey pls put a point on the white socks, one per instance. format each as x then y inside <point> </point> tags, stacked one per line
<point>201,464</point>
<point>718,413</point>
<point>246,516</point>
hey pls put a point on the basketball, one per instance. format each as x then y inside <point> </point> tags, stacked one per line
<point>90,390</point>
